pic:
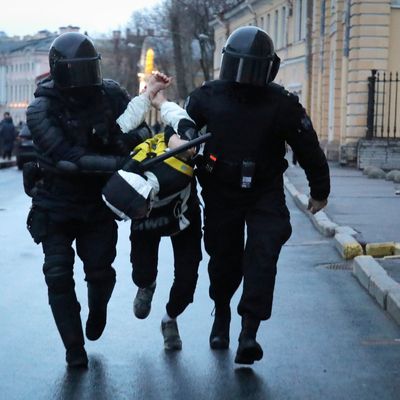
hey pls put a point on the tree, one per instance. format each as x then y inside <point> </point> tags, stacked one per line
<point>190,23</point>
<point>180,33</point>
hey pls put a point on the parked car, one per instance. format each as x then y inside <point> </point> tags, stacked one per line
<point>24,148</point>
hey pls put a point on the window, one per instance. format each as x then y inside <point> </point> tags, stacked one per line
<point>276,31</point>
<point>262,23</point>
<point>268,28</point>
<point>300,20</point>
<point>283,27</point>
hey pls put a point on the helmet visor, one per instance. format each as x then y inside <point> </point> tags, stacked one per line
<point>254,71</point>
<point>78,73</point>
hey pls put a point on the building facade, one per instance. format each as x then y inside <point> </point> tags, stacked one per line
<point>328,49</point>
<point>22,62</point>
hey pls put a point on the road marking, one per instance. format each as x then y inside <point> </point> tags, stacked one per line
<point>311,243</point>
<point>381,342</point>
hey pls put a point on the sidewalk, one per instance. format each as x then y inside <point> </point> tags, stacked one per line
<point>363,216</point>
<point>369,206</point>
<point>8,163</point>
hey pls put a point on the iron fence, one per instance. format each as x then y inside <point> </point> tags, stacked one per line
<point>383,105</point>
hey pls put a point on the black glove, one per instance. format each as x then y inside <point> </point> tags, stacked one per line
<point>133,166</point>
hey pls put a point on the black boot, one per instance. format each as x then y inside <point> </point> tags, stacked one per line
<point>66,312</point>
<point>249,349</point>
<point>219,336</point>
<point>99,294</point>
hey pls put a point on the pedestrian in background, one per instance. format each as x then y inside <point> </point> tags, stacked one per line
<point>250,119</point>
<point>8,134</point>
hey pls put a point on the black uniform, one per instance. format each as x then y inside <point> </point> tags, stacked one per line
<point>250,119</point>
<point>78,144</point>
<point>250,125</point>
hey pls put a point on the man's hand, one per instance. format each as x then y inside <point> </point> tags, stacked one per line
<point>157,81</point>
<point>316,205</point>
<point>158,99</point>
<point>175,141</point>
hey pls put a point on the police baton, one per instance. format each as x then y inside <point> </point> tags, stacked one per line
<point>146,164</point>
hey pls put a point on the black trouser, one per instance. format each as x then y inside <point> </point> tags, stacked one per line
<point>254,259</point>
<point>7,154</point>
<point>187,256</point>
<point>95,245</point>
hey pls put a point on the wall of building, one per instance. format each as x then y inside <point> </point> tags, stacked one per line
<point>22,69</point>
<point>285,24</point>
<point>348,39</point>
<point>394,43</point>
<point>368,49</point>
<point>20,66</point>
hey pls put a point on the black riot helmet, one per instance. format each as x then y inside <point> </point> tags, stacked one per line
<point>74,61</point>
<point>249,57</point>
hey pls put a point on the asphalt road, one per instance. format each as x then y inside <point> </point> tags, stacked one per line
<point>327,339</point>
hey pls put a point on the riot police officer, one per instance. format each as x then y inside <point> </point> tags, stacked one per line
<point>79,145</point>
<point>250,118</point>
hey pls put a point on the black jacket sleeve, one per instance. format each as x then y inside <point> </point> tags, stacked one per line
<point>52,146</point>
<point>299,133</point>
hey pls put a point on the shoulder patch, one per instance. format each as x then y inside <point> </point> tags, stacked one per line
<point>306,123</point>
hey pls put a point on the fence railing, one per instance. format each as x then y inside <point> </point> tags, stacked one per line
<point>383,105</point>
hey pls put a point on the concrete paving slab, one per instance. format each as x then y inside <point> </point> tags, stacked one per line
<point>379,249</point>
<point>369,206</point>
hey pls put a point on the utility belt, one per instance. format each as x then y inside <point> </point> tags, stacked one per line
<point>245,174</point>
<point>238,173</point>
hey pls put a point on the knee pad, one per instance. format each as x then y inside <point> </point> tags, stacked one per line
<point>58,272</point>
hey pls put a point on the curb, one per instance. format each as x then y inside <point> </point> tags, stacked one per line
<point>6,164</point>
<point>381,249</point>
<point>373,277</point>
<point>379,284</point>
<point>320,220</point>
<point>347,246</point>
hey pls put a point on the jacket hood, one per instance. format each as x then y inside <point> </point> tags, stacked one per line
<point>46,88</point>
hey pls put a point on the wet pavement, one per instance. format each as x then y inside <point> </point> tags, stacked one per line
<point>326,339</point>
<point>369,206</point>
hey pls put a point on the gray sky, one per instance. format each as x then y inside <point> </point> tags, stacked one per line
<point>24,17</point>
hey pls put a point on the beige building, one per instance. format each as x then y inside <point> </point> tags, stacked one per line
<point>328,49</point>
<point>22,62</point>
